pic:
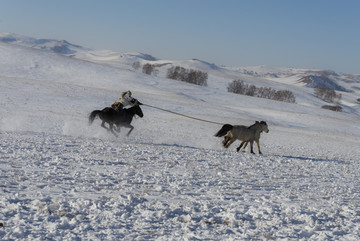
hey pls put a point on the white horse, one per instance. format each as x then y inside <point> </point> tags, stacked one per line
<point>242,133</point>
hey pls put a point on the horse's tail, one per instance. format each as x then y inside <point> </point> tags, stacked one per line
<point>93,115</point>
<point>224,129</point>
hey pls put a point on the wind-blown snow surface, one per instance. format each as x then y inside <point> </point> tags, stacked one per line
<point>170,180</point>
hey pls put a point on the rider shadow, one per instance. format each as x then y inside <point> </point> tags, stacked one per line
<point>310,159</point>
<point>169,145</point>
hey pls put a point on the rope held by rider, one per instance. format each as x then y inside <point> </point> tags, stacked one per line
<point>187,116</point>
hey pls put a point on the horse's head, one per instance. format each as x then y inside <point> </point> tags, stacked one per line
<point>137,110</point>
<point>264,126</point>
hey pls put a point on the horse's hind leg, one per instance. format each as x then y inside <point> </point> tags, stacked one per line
<point>225,141</point>
<point>229,142</point>
<point>117,129</point>
<point>103,125</point>
<point>112,130</point>
<point>243,144</point>
<point>227,138</point>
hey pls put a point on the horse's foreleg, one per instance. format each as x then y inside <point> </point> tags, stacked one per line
<point>131,129</point>
<point>258,145</point>
<point>251,147</point>
<point>246,143</point>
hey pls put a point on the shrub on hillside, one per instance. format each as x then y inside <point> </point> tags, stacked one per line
<point>148,69</point>
<point>136,65</point>
<point>240,87</point>
<point>327,94</point>
<point>237,87</point>
<point>285,96</point>
<point>187,75</point>
<point>332,107</point>
<point>266,92</point>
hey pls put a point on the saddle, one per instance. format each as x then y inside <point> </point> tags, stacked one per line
<point>117,105</point>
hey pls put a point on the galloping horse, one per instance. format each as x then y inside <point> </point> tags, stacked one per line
<point>242,133</point>
<point>119,119</point>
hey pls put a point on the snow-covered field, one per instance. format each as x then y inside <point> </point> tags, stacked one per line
<point>61,179</point>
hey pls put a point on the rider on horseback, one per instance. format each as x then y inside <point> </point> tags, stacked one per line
<point>125,100</point>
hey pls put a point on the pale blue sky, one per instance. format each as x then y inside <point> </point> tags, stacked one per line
<point>288,33</point>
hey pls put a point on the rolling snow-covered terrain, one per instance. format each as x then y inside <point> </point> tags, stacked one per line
<point>61,179</point>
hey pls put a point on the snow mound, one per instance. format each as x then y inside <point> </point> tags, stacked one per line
<point>321,81</point>
<point>57,46</point>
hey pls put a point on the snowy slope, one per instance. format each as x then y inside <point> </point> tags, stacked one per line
<point>57,46</point>
<point>171,179</point>
<point>276,77</point>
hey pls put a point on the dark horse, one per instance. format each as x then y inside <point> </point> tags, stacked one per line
<point>119,119</point>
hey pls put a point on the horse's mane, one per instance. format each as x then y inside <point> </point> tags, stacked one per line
<point>262,122</point>
<point>134,110</point>
<point>253,125</point>
<point>131,108</point>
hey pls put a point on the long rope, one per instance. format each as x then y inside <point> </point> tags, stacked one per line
<point>187,116</point>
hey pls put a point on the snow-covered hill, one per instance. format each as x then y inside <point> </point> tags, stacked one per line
<point>171,179</point>
<point>57,46</point>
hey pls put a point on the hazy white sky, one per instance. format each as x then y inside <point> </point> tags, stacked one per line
<point>290,33</point>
